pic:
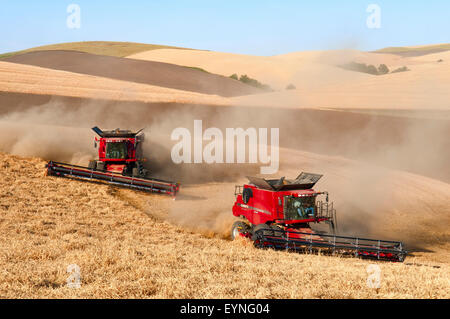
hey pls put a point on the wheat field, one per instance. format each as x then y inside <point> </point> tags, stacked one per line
<point>321,83</point>
<point>126,248</point>
<point>21,78</point>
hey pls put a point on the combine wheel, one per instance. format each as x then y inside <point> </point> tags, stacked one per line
<point>239,228</point>
<point>92,165</point>
<point>139,170</point>
<point>101,166</point>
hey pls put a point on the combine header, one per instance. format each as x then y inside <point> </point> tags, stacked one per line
<point>278,213</point>
<point>117,164</point>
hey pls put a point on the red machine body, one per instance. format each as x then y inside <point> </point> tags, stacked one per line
<point>119,163</point>
<point>116,165</point>
<point>118,152</point>
<point>288,204</point>
<point>130,146</point>
<point>267,207</point>
<point>279,213</point>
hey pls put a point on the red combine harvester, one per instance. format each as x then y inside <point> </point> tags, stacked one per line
<point>278,213</point>
<point>118,163</point>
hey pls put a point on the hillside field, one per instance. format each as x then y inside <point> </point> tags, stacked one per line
<point>126,249</point>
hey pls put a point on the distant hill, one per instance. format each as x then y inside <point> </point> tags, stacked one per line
<point>138,71</point>
<point>416,50</point>
<point>116,49</point>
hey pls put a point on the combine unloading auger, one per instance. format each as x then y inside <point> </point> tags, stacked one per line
<point>278,213</point>
<point>117,164</point>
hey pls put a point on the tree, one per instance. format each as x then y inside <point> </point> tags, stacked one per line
<point>290,87</point>
<point>402,69</point>
<point>245,79</point>
<point>234,77</point>
<point>383,69</point>
<point>372,70</point>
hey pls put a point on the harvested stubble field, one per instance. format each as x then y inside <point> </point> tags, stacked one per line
<point>109,48</point>
<point>135,245</point>
<point>36,80</point>
<point>125,247</point>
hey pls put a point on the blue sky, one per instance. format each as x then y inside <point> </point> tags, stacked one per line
<point>260,27</point>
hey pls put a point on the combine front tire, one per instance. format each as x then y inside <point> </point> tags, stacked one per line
<point>139,170</point>
<point>239,229</point>
<point>92,165</point>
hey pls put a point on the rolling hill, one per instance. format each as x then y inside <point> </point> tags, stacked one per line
<point>320,82</point>
<point>416,50</point>
<point>109,48</point>
<point>387,174</point>
<point>32,80</point>
<point>145,72</point>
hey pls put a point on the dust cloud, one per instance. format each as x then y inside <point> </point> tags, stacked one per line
<point>373,193</point>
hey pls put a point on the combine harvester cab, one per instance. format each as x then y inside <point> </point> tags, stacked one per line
<point>118,163</point>
<point>278,213</point>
